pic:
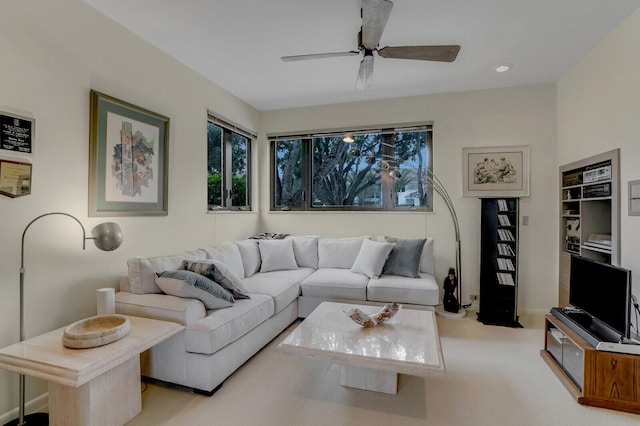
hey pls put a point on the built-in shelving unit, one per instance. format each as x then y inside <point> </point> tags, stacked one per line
<point>499,262</point>
<point>589,213</point>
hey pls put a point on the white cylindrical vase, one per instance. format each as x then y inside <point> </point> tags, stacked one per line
<point>106,301</point>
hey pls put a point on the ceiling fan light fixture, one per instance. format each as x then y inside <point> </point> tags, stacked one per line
<point>348,138</point>
<point>503,67</point>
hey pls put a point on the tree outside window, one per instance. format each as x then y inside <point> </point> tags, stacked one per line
<point>378,171</point>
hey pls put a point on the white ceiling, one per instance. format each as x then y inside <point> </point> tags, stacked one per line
<point>237,44</point>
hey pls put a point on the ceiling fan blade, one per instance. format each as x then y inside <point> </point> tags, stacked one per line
<point>447,53</point>
<point>318,56</point>
<point>375,14</point>
<point>365,73</point>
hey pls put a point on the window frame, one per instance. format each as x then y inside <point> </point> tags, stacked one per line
<point>228,130</point>
<point>387,181</point>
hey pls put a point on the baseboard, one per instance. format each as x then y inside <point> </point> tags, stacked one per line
<point>36,405</point>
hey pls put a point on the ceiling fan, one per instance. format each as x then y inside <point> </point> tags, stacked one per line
<point>375,14</point>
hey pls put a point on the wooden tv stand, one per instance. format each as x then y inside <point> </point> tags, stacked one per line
<point>602,379</point>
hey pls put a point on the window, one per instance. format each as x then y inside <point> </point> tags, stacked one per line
<point>228,166</point>
<point>380,170</point>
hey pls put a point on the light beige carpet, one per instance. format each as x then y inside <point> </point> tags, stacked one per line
<point>495,376</point>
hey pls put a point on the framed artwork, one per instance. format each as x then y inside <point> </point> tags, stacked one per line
<point>15,178</point>
<point>495,172</point>
<point>128,159</point>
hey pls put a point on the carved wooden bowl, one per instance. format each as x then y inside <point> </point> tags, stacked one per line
<point>96,331</point>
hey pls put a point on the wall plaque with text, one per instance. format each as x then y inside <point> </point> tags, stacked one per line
<point>16,133</point>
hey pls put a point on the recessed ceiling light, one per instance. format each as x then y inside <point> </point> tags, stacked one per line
<point>503,67</point>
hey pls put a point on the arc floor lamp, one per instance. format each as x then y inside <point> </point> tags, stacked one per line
<point>107,237</point>
<point>442,191</point>
<point>435,183</point>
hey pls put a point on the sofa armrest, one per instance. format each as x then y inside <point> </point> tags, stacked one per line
<point>161,307</point>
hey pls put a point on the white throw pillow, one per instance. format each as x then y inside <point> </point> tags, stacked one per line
<point>427,263</point>
<point>371,258</point>
<point>250,256</point>
<point>305,250</point>
<point>277,255</point>
<point>339,252</point>
<point>229,254</point>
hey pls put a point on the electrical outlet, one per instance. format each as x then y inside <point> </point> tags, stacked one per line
<point>473,297</point>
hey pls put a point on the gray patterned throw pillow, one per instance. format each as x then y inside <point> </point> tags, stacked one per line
<point>219,273</point>
<point>191,285</point>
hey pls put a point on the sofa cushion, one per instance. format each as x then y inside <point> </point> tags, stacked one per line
<point>404,259</point>
<point>195,286</point>
<point>229,254</point>
<point>336,283</point>
<point>371,258</point>
<point>282,290</point>
<point>160,306</point>
<point>219,273</point>
<point>305,250</point>
<point>297,275</point>
<point>338,252</point>
<point>276,255</point>
<point>250,256</point>
<point>142,271</point>
<point>224,326</point>
<point>393,288</point>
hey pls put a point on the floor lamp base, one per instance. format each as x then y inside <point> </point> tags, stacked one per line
<point>35,419</point>
<point>440,311</point>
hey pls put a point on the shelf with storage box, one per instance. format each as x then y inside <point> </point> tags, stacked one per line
<point>499,262</point>
<point>598,378</point>
<point>589,213</point>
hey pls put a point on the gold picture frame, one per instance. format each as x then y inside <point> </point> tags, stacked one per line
<point>15,178</point>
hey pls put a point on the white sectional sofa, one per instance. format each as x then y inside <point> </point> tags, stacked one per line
<point>284,280</point>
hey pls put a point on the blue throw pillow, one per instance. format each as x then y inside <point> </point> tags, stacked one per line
<point>404,259</point>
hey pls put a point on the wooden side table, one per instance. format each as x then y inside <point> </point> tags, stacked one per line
<point>89,386</point>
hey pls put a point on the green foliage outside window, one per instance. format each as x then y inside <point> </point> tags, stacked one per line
<point>234,168</point>
<point>238,190</point>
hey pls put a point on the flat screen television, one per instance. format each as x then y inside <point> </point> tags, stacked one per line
<point>602,291</point>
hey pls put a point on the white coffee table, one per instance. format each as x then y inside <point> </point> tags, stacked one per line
<point>93,386</point>
<point>370,358</point>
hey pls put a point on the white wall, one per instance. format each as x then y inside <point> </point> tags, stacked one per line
<point>598,110</point>
<point>515,116</point>
<point>51,55</point>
